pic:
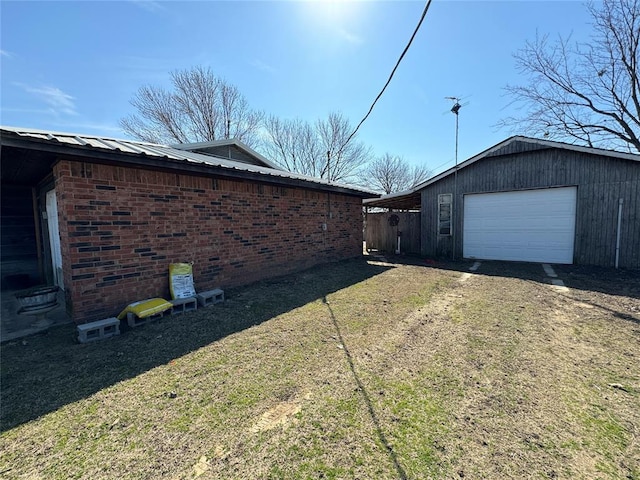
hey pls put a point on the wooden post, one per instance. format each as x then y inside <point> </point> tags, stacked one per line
<point>36,222</point>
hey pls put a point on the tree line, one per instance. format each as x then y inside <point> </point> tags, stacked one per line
<point>202,107</point>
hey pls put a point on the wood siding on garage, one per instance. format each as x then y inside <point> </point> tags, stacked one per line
<point>600,181</point>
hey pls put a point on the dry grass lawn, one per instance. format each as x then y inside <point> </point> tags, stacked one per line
<point>359,369</point>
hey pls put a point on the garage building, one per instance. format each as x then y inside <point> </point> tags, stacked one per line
<point>534,200</point>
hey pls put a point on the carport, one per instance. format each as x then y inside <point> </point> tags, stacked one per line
<point>392,223</point>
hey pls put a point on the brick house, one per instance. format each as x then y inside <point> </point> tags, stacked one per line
<point>104,218</point>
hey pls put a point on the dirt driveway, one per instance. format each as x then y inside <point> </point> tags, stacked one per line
<point>548,360</point>
<point>380,368</point>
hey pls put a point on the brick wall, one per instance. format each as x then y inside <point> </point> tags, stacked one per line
<point>120,229</point>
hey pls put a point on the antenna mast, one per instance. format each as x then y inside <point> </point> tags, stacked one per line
<point>455,110</point>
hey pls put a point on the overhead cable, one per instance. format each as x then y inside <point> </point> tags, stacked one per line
<point>424,13</point>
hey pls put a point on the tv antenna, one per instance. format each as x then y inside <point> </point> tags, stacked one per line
<point>456,110</point>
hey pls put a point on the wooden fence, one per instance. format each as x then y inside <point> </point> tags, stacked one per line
<point>381,234</point>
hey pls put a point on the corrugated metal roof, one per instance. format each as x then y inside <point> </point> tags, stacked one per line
<point>502,148</point>
<point>400,201</point>
<point>132,147</point>
<point>407,199</point>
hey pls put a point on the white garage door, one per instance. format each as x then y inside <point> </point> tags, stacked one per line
<point>528,226</point>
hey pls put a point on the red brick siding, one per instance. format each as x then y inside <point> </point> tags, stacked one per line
<point>121,227</point>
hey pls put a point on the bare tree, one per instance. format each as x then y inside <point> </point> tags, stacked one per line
<point>343,159</point>
<point>391,174</point>
<point>586,93</point>
<point>200,107</point>
<point>418,174</point>
<point>315,149</point>
<point>292,144</point>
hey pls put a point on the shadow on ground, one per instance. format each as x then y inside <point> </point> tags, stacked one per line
<point>393,456</point>
<point>45,372</point>
<point>581,277</point>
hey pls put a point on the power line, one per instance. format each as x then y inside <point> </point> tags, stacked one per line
<point>424,13</point>
<point>435,169</point>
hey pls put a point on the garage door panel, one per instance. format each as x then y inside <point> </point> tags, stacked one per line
<point>532,225</point>
<point>539,239</point>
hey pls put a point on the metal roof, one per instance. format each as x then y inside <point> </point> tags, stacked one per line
<point>89,145</point>
<point>537,142</point>
<point>409,199</point>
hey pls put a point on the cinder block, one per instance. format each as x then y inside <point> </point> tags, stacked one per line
<point>134,321</point>
<point>182,305</point>
<point>98,330</point>
<point>211,297</point>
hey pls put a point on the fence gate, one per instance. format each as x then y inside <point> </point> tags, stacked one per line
<point>382,229</point>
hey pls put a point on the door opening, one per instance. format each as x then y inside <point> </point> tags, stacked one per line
<point>54,237</point>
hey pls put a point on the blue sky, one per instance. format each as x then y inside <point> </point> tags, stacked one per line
<point>74,66</point>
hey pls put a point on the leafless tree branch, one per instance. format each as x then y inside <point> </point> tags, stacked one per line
<point>589,94</point>
<point>200,107</point>
<point>391,174</point>
<point>315,149</point>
